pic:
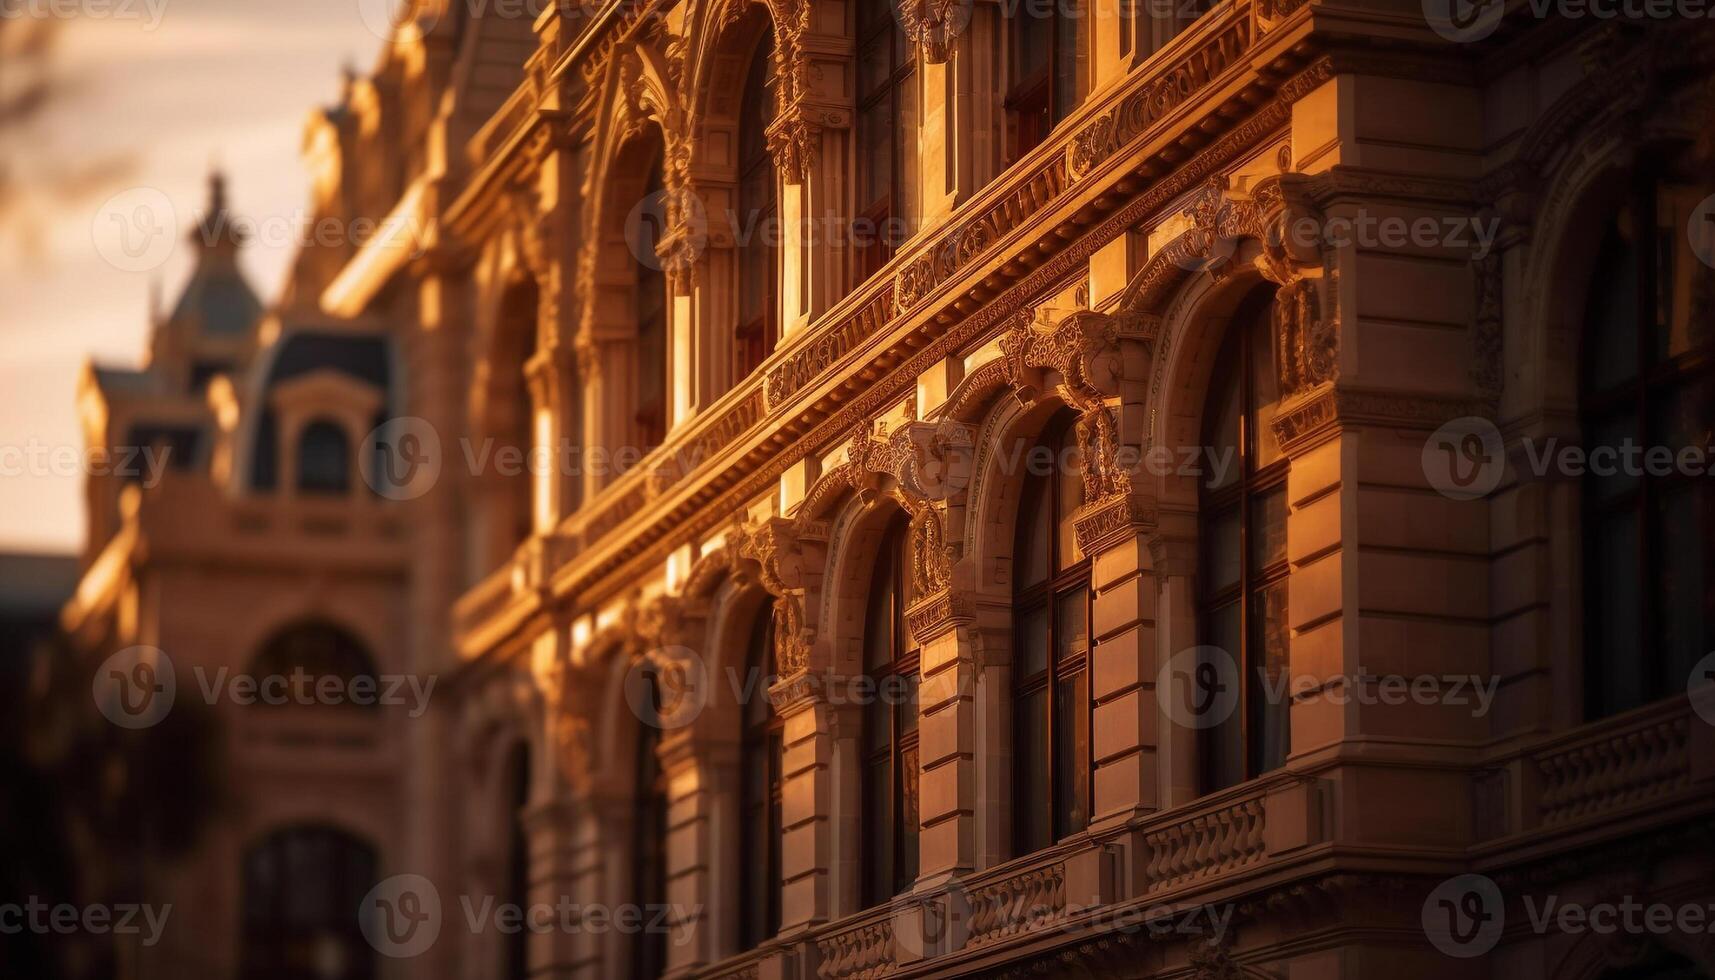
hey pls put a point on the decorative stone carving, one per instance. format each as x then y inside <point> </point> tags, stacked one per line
<point>789,557</point>
<point>934,25</point>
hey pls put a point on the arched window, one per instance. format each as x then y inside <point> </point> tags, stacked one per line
<point>1051,647</point>
<point>760,755</point>
<point>890,770</point>
<point>300,888</point>
<point>314,650</point>
<point>887,136</point>
<point>652,381</point>
<point>1242,569</point>
<point>518,860</point>
<point>757,224</point>
<point>1649,526</point>
<point>518,318</point>
<point>649,841</point>
<point>324,458</point>
<point>1047,75</point>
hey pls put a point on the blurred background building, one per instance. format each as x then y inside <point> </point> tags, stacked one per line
<point>672,382</point>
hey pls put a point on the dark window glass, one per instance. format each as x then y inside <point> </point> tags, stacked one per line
<point>1649,532</point>
<point>652,380</point>
<point>518,863</point>
<point>756,226</point>
<point>315,650</point>
<point>1051,654</point>
<point>324,459</point>
<point>887,137</point>
<point>649,843</point>
<point>890,728</point>
<point>1243,568</point>
<point>1047,70</point>
<point>760,793</point>
<point>300,886</point>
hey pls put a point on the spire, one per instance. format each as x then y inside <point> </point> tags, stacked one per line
<point>216,228</point>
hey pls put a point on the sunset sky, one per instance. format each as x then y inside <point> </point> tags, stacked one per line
<point>170,88</point>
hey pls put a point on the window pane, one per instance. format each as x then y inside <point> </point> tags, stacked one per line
<point>1069,475</point>
<point>1615,605</point>
<point>1071,625</point>
<point>1071,755</point>
<point>1030,563</point>
<point>1265,390</point>
<point>878,832</point>
<point>1032,36</point>
<point>1680,274</point>
<point>1068,57</point>
<point>1611,311</point>
<point>1268,654</point>
<point>875,129</point>
<point>1031,657</point>
<point>1222,430</point>
<point>1221,552</point>
<point>905,701</point>
<point>1031,772</point>
<point>1682,548</point>
<point>877,725</point>
<point>1223,749</point>
<point>1268,530</point>
<point>1611,433</point>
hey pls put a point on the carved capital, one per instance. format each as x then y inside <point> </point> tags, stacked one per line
<point>933,25</point>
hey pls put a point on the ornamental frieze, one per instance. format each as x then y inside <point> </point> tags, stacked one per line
<point>1154,102</point>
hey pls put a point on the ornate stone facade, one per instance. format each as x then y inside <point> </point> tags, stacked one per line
<point>1093,278</point>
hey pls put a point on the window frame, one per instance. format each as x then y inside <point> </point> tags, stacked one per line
<point>754,339</point>
<point>1653,374</point>
<point>650,879</point>
<point>1036,97</point>
<point>1254,483</point>
<point>905,661</point>
<point>1045,597</point>
<point>896,84</point>
<point>651,417</point>
<point>761,742</point>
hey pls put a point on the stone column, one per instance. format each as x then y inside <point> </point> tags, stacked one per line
<point>551,829</point>
<point>813,732</point>
<point>702,827</point>
<point>1125,726</point>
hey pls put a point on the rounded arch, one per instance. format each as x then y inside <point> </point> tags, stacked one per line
<point>1195,326</point>
<point>317,647</point>
<point>298,884</point>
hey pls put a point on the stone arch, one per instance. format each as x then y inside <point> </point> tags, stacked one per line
<point>1194,327</point>
<point>721,48</point>
<point>508,335</point>
<point>636,140</point>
